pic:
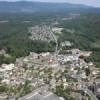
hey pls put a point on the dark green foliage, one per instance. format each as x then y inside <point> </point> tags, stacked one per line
<point>3,88</point>
<point>14,36</point>
<point>95,57</point>
<point>64,93</point>
<point>86,35</point>
<point>6,60</point>
<point>87,71</point>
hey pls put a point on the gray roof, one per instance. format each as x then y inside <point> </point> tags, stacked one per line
<point>41,97</point>
<point>96,89</point>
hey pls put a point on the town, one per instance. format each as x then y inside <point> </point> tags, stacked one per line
<point>59,75</point>
<point>47,76</point>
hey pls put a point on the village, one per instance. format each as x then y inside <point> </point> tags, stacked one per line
<point>60,75</point>
<point>35,71</point>
<point>41,32</point>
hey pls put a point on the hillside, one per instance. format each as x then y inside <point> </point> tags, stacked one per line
<point>84,32</point>
<point>17,17</point>
<point>30,7</point>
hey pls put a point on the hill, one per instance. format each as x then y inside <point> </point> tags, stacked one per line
<point>29,7</point>
<point>17,17</point>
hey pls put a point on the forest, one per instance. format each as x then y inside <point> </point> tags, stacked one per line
<point>85,36</point>
<point>14,35</point>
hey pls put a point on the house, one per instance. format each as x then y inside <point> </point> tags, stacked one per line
<point>11,98</point>
<point>41,94</point>
<point>57,30</point>
<point>83,75</point>
<point>33,55</point>
<point>54,65</point>
<point>3,96</point>
<point>67,58</point>
<point>75,51</point>
<point>65,85</point>
<point>19,62</point>
<point>2,52</point>
<point>66,43</point>
<point>76,96</point>
<point>7,81</point>
<point>97,89</point>
<point>8,67</point>
<point>45,54</point>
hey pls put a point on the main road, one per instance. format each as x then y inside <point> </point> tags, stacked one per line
<point>56,41</point>
<point>85,87</point>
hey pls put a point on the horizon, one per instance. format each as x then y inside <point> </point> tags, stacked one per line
<point>93,3</point>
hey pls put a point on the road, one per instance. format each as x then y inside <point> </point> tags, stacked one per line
<point>33,93</point>
<point>85,87</point>
<point>56,41</point>
<point>89,92</point>
<point>93,97</point>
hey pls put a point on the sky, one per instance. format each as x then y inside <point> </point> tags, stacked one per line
<point>95,3</point>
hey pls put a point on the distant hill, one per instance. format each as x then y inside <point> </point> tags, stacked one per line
<point>25,6</point>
